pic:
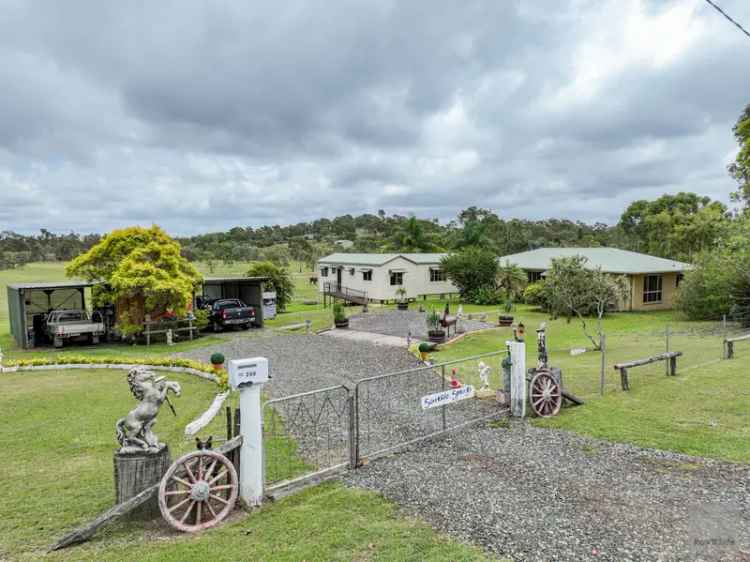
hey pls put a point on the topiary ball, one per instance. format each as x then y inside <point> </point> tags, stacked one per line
<point>217,359</point>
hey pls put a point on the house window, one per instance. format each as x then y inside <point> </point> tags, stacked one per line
<point>534,276</point>
<point>367,275</point>
<point>652,288</point>
<point>678,279</point>
<point>324,272</point>
<point>397,277</point>
<point>437,275</point>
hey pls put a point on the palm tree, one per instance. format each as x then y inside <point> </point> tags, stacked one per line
<point>511,279</point>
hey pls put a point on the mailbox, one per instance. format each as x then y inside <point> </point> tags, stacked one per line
<point>243,372</point>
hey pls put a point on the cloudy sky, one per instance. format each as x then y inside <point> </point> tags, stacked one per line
<point>202,116</point>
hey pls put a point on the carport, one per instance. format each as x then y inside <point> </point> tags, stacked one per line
<point>248,289</point>
<point>29,304</point>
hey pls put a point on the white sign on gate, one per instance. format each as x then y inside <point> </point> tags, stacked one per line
<point>447,397</point>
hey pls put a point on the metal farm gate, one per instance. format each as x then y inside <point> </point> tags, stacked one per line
<point>313,435</point>
<point>307,436</point>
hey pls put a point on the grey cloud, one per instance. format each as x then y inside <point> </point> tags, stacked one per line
<point>204,115</point>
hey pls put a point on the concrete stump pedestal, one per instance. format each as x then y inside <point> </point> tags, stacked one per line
<point>134,472</point>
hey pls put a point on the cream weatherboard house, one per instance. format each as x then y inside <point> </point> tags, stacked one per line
<point>652,281</point>
<point>380,276</point>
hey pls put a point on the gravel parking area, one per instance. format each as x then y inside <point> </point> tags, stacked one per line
<point>401,322</point>
<point>539,495</point>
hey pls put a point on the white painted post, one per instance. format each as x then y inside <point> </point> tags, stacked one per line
<point>248,376</point>
<point>251,453</point>
<point>518,388</point>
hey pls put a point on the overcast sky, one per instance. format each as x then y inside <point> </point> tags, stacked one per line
<point>203,116</point>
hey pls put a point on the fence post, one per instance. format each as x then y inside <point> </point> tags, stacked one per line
<point>518,388</point>
<point>351,405</point>
<point>603,348</point>
<point>442,387</point>
<point>667,333</point>
<point>356,425</point>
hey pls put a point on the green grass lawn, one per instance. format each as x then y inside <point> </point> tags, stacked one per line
<point>702,411</point>
<point>59,426</point>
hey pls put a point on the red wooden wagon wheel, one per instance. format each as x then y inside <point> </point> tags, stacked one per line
<point>545,395</point>
<point>198,491</point>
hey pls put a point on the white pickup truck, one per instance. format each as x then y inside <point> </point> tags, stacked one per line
<point>65,325</point>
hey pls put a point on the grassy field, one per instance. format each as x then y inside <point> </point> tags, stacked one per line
<point>59,426</point>
<point>702,411</point>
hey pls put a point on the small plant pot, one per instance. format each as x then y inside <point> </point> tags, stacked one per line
<point>437,336</point>
<point>504,320</point>
<point>341,323</point>
<point>402,306</point>
<point>424,355</point>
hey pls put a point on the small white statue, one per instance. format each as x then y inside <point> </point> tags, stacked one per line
<point>170,337</point>
<point>484,375</point>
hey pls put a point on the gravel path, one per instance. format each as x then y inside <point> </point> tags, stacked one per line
<point>535,494</point>
<point>401,322</point>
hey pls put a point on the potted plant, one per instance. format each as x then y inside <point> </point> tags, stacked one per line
<point>435,332</point>
<point>339,316</point>
<point>507,318</point>
<point>424,349</point>
<point>217,361</point>
<point>403,303</point>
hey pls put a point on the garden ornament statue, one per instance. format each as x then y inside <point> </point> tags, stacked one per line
<point>134,431</point>
<point>484,375</point>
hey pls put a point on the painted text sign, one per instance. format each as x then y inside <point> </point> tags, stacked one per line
<point>447,397</point>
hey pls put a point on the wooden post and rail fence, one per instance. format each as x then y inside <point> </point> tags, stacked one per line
<point>729,345</point>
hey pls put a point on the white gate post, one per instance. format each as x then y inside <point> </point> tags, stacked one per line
<point>251,452</point>
<point>518,389</point>
<point>248,375</point>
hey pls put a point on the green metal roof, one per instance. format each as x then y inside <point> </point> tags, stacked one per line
<point>379,259</point>
<point>610,260</point>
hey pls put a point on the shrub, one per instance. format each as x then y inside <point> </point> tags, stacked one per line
<point>535,294</point>
<point>470,270</point>
<point>217,359</point>
<point>425,347</point>
<point>339,315</point>
<point>201,318</point>
<point>487,295</point>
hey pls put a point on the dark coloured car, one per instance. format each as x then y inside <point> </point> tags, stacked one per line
<point>231,313</point>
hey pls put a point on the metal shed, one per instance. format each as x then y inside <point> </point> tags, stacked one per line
<point>247,289</point>
<point>29,303</point>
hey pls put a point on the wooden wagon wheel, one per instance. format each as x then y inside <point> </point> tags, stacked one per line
<point>545,395</point>
<point>198,491</point>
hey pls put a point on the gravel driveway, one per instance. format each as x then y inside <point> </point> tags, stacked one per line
<point>390,411</point>
<point>536,494</point>
<point>401,322</point>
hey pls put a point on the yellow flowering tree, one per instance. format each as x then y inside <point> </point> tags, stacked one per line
<point>141,271</point>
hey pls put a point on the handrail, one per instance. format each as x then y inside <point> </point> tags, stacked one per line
<point>330,288</point>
